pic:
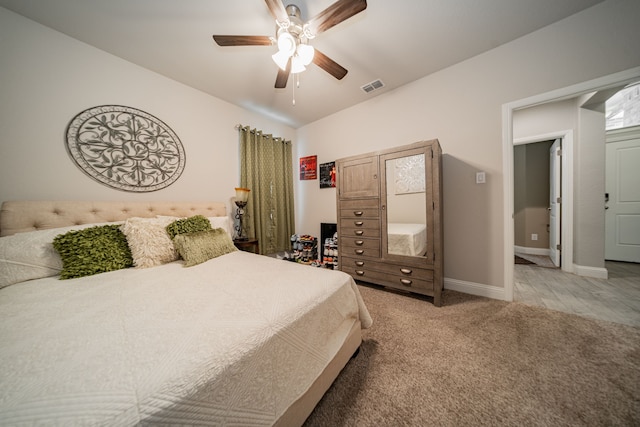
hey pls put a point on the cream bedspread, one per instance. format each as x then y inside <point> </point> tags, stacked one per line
<point>407,239</point>
<point>232,341</point>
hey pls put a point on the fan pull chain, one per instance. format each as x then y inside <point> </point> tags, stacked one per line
<point>296,82</point>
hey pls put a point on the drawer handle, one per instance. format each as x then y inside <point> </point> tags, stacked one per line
<point>405,271</point>
<point>359,242</point>
<point>359,232</point>
<point>405,282</point>
<point>359,251</point>
<point>358,223</point>
<point>359,263</point>
<point>357,213</point>
<point>360,272</point>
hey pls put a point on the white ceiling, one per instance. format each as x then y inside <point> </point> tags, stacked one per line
<point>395,41</point>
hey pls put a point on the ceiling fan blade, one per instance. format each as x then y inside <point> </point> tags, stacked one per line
<point>243,40</point>
<point>277,10</point>
<point>283,76</point>
<point>329,65</point>
<point>335,14</point>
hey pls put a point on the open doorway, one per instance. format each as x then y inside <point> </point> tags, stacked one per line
<point>537,203</point>
<point>608,82</point>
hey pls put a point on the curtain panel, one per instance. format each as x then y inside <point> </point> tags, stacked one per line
<point>266,168</point>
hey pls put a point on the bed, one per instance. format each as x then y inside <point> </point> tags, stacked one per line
<point>407,239</point>
<point>240,339</point>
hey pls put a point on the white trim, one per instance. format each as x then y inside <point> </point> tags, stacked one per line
<point>531,251</point>
<point>606,82</point>
<point>472,288</point>
<point>623,134</point>
<point>596,272</point>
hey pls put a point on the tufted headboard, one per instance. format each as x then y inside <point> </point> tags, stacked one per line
<point>21,216</point>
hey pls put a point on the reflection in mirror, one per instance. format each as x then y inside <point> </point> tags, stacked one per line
<point>406,206</point>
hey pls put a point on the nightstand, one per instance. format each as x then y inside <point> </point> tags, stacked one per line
<point>249,245</point>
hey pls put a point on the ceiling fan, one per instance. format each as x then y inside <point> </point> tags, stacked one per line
<point>293,36</point>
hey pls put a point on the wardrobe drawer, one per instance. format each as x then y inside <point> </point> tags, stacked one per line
<point>347,214</point>
<point>360,204</point>
<point>360,209</point>
<point>388,274</point>
<point>360,247</point>
<point>359,223</point>
<point>346,232</point>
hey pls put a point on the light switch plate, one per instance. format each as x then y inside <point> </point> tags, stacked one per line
<point>481,178</point>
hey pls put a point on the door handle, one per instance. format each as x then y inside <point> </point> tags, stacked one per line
<point>357,213</point>
<point>358,223</point>
<point>359,232</point>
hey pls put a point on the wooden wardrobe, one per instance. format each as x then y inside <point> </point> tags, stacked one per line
<point>390,217</point>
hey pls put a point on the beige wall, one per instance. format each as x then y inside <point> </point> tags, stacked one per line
<point>461,106</point>
<point>47,78</point>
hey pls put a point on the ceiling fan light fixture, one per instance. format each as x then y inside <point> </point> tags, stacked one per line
<point>286,43</point>
<point>281,59</point>
<point>305,52</point>
<point>297,66</point>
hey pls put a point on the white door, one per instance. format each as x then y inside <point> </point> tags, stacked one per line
<point>622,187</point>
<point>555,175</point>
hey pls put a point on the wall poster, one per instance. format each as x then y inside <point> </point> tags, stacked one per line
<point>328,175</point>
<point>308,167</point>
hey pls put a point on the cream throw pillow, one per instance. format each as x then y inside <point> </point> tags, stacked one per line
<point>149,242</point>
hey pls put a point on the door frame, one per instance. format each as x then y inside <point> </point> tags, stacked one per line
<point>606,82</point>
<point>566,180</point>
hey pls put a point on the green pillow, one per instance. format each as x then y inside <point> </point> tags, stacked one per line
<point>201,246</point>
<point>188,225</point>
<point>92,250</point>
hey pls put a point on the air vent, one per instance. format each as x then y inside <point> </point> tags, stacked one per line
<point>374,85</point>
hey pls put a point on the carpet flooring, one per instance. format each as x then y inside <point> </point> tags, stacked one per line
<point>477,361</point>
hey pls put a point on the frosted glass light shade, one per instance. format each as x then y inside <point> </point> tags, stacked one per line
<point>281,59</point>
<point>286,43</point>
<point>296,65</point>
<point>305,53</point>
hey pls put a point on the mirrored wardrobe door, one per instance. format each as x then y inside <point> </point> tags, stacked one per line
<point>406,195</point>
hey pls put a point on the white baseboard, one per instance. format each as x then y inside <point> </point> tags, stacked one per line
<point>531,251</point>
<point>595,272</point>
<point>474,288</point>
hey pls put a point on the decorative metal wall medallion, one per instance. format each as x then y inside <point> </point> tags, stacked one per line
<point>125,148</point>
<point>409,174</point>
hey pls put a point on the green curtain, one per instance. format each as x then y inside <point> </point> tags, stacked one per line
<point>266,169</point>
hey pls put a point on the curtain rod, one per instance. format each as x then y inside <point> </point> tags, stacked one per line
<point>268,136</point>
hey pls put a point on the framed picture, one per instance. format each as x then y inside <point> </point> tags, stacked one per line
<point>328,175</point>
<point>308,167</point>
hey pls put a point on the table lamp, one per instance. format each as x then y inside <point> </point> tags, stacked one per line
<point>242,195</point>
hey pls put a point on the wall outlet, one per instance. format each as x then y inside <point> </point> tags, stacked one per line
<point>534,237</point>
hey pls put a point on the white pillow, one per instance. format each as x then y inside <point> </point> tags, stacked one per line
<point>222,222</point>
<point>30,255</point>
<point>149,241</point>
